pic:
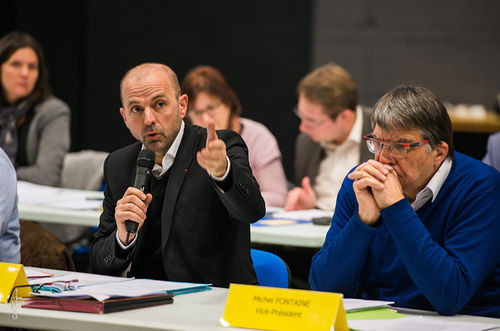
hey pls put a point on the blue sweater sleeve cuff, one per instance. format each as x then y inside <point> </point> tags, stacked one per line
<point>360,227</point>
<point>396,211</point>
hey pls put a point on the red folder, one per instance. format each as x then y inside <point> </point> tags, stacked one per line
<point>95,306</point>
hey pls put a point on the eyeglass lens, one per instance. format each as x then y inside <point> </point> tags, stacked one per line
<point>396,150</point>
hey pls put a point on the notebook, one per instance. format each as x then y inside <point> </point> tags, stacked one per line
<point>96,306</point>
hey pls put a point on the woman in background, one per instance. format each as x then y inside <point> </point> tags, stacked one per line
<point>34,125</point>
<point>210,95</point>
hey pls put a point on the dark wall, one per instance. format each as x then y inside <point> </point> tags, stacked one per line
<point>262,47</point>
<point>451,47</point>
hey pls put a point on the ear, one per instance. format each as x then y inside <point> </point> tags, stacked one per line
<point>441,152</point>
<point>183,102</point>
<point>122,112</point>
<point>346,115</point>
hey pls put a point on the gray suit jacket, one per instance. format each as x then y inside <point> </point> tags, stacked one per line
<point>492,156</point>
<point>47,143</point>
<point>309,154</point>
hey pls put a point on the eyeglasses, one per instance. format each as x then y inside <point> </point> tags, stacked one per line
<point>52,287</point>
<point>397,149</point>
<point>308,121</point>
<point>200,112</point>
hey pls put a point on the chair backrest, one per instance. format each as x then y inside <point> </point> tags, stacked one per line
<point>271,269</point>
<point>41,248</point>
<point>83,170</point>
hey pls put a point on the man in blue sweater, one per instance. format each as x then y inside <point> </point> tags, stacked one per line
<point>418,224</point>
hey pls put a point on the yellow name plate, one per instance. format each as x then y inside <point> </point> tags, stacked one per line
<point>12,275</point>
<point>270,308</point>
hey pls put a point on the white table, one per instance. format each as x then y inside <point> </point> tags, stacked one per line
<point>194,311</point>
<point>299,235</point>
<point>58,205</point>
<point>38,213</point>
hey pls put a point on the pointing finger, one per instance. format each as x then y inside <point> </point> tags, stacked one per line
<point>211,134</point>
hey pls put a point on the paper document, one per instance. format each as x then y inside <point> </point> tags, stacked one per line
<point>360,304</point>
<point>374,314</point>
<point>83,279</point>
<point>32,273</point>
<point>48,196</point>
<point>127,288</point>
<point>272,210</point>
<point>308,214</point>
<point>278,222</point>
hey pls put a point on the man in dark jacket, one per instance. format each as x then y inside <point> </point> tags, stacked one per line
<point>194,225</point>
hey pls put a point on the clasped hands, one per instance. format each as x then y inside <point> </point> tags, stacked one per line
<point>134,203</point>
<point>376,186</point>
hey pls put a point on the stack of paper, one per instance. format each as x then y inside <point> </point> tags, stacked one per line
<point>103,294</point>
<point>33,194</point>
<point>105,287</point>
<point>98,307</point>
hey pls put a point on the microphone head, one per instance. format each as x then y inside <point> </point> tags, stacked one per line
<point>146,159</point>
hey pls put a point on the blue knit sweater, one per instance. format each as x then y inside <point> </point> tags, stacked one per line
<point>444,257</point>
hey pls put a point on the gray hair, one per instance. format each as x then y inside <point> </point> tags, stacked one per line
<point>409,107</point>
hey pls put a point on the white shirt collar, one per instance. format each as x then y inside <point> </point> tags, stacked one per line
<point>357,128</point>
<point>159,170</point>
<point>431,190</point>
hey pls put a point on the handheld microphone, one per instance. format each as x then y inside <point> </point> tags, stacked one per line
<point>145,163</point>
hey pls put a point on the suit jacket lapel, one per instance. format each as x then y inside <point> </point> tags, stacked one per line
<point>185,155</point>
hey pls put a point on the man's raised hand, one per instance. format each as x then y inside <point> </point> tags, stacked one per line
<point>213,157</point>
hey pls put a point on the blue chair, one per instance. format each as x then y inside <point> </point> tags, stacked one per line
<point>271,269</point>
